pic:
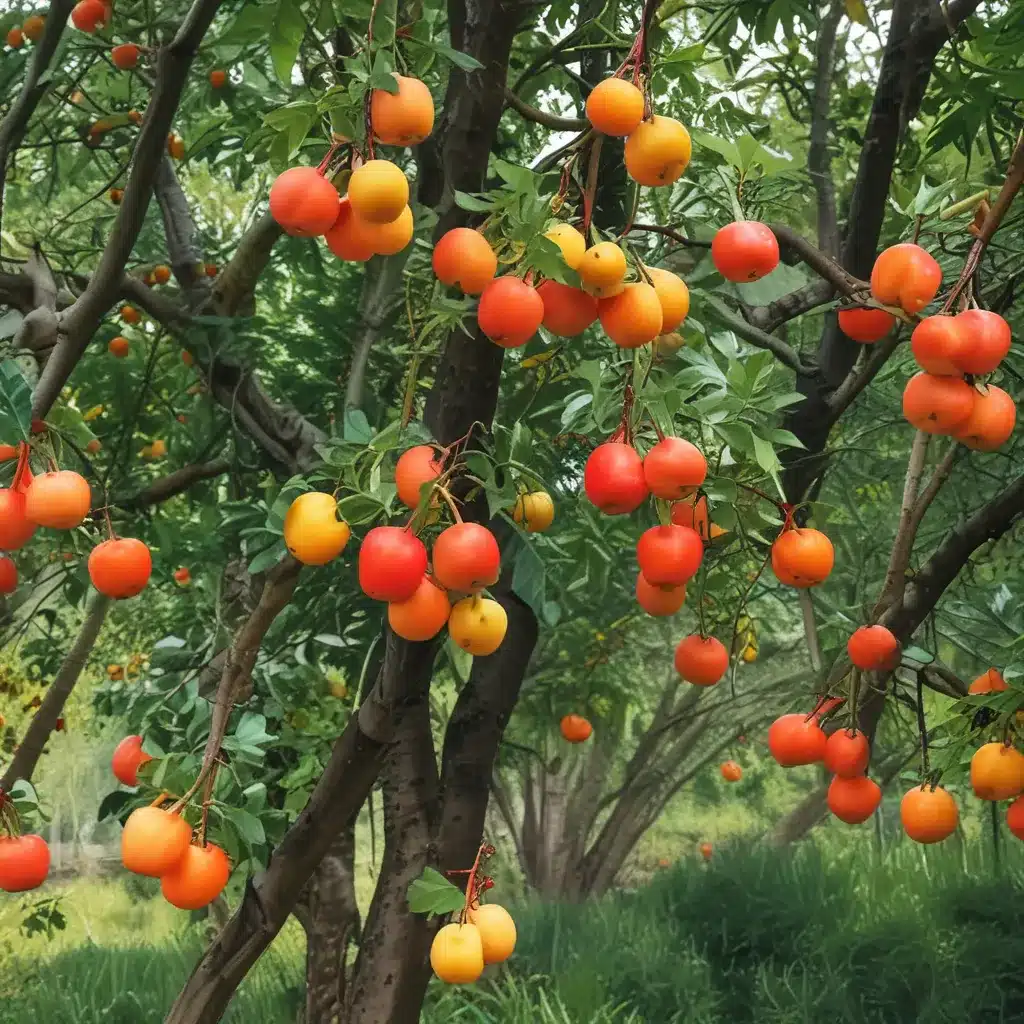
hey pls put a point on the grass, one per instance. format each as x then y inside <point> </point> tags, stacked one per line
<point>820,934</point>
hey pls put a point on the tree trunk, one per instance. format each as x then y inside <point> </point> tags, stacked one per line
<point>330,918</point>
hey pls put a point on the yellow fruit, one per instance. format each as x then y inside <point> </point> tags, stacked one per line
<point>158,449</point>
<point>378,192</point>
<point>497,931</point>
<point>668,343</point>
<point>602,266</point>
<point>673,295</point>
<point>658,151</point>
<point>570,241</point>
<point>312,531</point>
<point>536,510</point>
<point>477,624</point>
<point>457,954</point>
<point>615,106</point>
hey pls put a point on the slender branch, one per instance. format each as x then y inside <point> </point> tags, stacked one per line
<point>552,121</point>
<point>811,630</point>
<point>823,265</point>
<point>819,158</point>
<point>784,353</point>
<point>175,483</point>
<point>692,243</point>
<point>859,378</point>
<point>939,476</point>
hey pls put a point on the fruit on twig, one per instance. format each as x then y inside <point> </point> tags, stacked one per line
<point>158,449</point>
<point>457,954</point>
<point>403,118</point>
<point>535,510</point>
<point>197,879</point>
<point>731,771</point>
<point>669,556</point>
<point>936,343</point>
<point>24,862</point>
<point>575,728</point>
<point>346,237</point>
<point>907,276</point>
<point>8,575</point>
<point>701,660</point>
<point>847,753</point>
<point>176,146</point>
<point>497,931</point>
<point>313,533</point>
<point>464,259</point>
<point>125,56</point>
<point>615,107</point>
<point>118,347</point>
<point>16,528</point>
<point>602,268</point>
<point>305,203</point>
<point>614,478</point>
<point>674,468</point>
<point>378,191</point>
<point>130,315</point>
<point>929,814</point>
<point>991,421</point>
<point>673,295</point>
<point>415,467</point>
<point>853,800</point>
<point>872,647</point>
<point>796,739</point>
<point>633,317</point>
<point>510,312</point>
<point>866,325</point>
<point>659,601</point>
<point>997,772</point>
<point>161,273</point>
<point>802,557</point>
<point>182,576</point>
<point>478,625</point>
<point>706,850</point>
<point>390,238</point>
<point>33,27</point>
<point>59,500</point>
<point>422,616</point>
<point>567,311</point>
<point>986,341</point>
<point>571,242</point>
<point>128,756</point>
<point>991,681</point>
<point>693,512</point>
<point>657,151</point>
<point>154,841</point>
<point>938,405</point>
<point>745,250</point>
<point>218,78</point>
<point>89,15</point>
<point>120,568</point>
<point>392,563</point>
<point>15,38</point>
<point>466,558</point>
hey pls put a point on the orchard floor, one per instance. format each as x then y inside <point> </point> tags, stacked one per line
<point>829,933</point>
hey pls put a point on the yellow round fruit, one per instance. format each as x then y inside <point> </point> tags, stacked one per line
<point>378,192</point>
<point>312,531</point>
<point>658,151</point>
<point>477,624</point>
<point>602,266</point>
<point>535,510</point>
<point>457,954</point>
<point>673,295</point>
<point>497,931</point>
<point>570,241</point>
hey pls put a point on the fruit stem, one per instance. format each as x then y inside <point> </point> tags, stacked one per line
<point>160,799</point>
<point>471,885</point>
<point>179,805</point>
<point>782,506</point>
<point>922,728</point>
<point>19,470</point>
<point>591,189</point>
<point>207,798</point>
<point>449,501</point>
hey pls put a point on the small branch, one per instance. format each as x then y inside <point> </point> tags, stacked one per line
<point>859,378</point>
<point>552,121</point>
<point>824,266</point>
<point>175,483</point>
<point>783,352</point>
<point>819,159</point>
<point>939,476</point>
<point>811,630</point>
<point>691,243</point>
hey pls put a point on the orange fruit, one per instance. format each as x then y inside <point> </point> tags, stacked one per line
<point>304,202</point>
<point>731,771</point>
<point>674,469</point>
<point>16,529</point>
<point>313,533</point>
<point>575,728</point>
<point>991,421</point>
<point>8,577</point>
<point>744,251</point>
<point>33,27</point>
<point>120,568</point>
<point>535,510</point>
<point>658,151</point>
<point>130,315</point>
<point>602,268</point>
<point>659,601</point>
<point>464,259</point>
<point>154,841</point>
<point>415,467</point>
<point>936,344</point>
<point>423,615</point>
<point>125,56</point>
<point>853,800</point>
<point>88,15</point>
<point>59,500</point>
<point>938,405</point>
<point>118,347</point>
<point>497,931</point>
<point>161,273</point>
<point>871,647</point>
<point>615,107</point>
<point>567,311</point>
<point>928,815</point>
<point>796,740</point>
<point>116,195</point>
<point>378,192</point>
<point>693,512</point>
<point>510,312</point>
<point>15,38</point>
<point>802,557</point>
<point>997,772</point>
<point>218,78</point>
<point>197,879</point>
<point>673,295</point>
<point>1015,817</point>
<point>986,341</point>
<point>457,954</point>
<point>466,558</point>
<point>176,147</point>
<point>345,238</point>
<point>991,681</point>
<point>633,317</point>
<point>386,239</point>
<point>477,624</point>
<point>905,275</point>
<point>847,753</point>
<point>701,660</point>
<point>865,325</point>
<point>404,118</point>
<point>128,755</point>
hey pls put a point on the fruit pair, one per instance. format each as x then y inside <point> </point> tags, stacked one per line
<point>975,341</point>
<point>460,950</point>
<point>981,418</point>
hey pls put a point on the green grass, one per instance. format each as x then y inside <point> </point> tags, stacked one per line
<point>843,935</point>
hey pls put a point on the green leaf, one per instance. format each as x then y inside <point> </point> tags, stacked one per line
<point>433,894</point>
<point>528,578</point>
<point>357,427</point>
<point>929,197</point>
<point>720,146</point>
<point>456,57</point>
<point>267,558</point>
<point>918,654</point>
<point>15,404</point>
<point>472,204</point>
<point>286,37</point>
<point>383,74</point>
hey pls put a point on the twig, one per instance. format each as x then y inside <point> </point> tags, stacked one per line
<point>552,121</point>
<point>783,352</point>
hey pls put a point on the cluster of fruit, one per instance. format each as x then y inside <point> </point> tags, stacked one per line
<point>60,500</point>
<point>31,29</point>
<point>462,949</point>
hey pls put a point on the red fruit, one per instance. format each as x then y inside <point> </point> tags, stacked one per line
<point>796,739</point>
<point>853,800</point>
<point>392,562</point>
<point>24,863</point>
<point>466,558</point>
<point>991,421</point>
<point>304,202</point>
<point>937,343</point>
<point>905,275</point>
<point>58,500</point>
<point>464,259</point>
<point>415,467</point>
<point>575,728</point>
<point>8,575</point>
<point>567,311</point>
<point>125,56</point>
<point>1015,817</point>
<point>510,312</point>
<point>986,341</point>
<point>866,325</point>
<point>701,661</point>
<point>89,15</point>
<point>802,557</point>
<point>937,405</point>
<point>16,528</point>
<point>872,647</point>
<point>745,251</point>
<point>674,468</point>
<point>197,879</point>
<point>120,568</point>
<point>218,78</point>
<point>614,478</point>
<point>128,758</point>
<point>669,556</point>
<point>731,771</point>
<point>659,601</point>
<point>345,239</point>
<point>847,753</point>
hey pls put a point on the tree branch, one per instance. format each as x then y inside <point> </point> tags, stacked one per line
<point>783,352</point>
<point>179,228</point>
<point>552,121</point>
<point>819,159</point>
<point>175,483</point>
<point>858,379</point>
<point>691,243</point>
